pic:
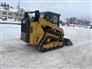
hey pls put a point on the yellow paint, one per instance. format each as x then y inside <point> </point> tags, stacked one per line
<point>53,44</point>
<point>38,33</point>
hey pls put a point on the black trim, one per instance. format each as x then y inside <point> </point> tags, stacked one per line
<point>37,15</point>
<point>25,28</point>
<point>52,31</point>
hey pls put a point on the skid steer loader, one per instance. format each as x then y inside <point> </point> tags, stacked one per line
<point>41,29</point>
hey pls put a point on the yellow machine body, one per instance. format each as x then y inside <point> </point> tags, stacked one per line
<point>38,33</point>
<point>42,33</point>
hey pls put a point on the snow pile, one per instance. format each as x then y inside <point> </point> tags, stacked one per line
<point>76,26</point>
<point>12,21</point>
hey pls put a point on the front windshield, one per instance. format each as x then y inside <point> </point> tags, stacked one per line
<point>54,19</point>
<point>51,17</point>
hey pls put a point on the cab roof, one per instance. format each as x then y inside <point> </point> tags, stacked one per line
<point>49,12</point>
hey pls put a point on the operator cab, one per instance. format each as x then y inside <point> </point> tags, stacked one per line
<point>51,16</point>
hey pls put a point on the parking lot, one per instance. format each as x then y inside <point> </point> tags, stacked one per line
<point>15,53</point>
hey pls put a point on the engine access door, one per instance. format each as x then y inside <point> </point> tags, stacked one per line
<point>25,28</point>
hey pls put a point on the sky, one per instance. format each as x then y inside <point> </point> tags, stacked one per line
<point>67,8</point>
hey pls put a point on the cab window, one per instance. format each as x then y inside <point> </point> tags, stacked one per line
<point>54,19</point>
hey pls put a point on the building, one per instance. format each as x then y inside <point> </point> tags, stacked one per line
<point>10,13</point>
<point>76,21</point>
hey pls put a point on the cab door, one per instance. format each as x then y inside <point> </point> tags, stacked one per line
<point>25,29</point>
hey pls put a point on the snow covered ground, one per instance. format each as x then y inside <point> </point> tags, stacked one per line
<point>10,21</point>
<point>14,53</point>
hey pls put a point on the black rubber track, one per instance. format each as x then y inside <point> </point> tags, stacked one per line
<point>49,49</point>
